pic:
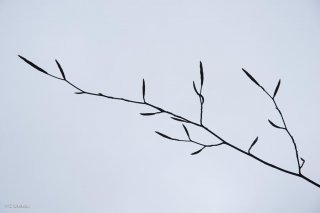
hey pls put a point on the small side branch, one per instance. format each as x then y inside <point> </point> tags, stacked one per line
<point>280,113</point>
<point>189,140</point>
<point>199,93</point>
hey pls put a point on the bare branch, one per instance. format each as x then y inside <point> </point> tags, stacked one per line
<point>183,119</point>
<point>282,118</point>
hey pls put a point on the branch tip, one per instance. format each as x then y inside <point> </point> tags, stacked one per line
<point>150,113</point>
<point>143,90</point>
<point>277,88</point>
<point>182,119</point>
<point>251,78</point>
<point>78,93</point>
<point>253,143</point>
<point>195,89</point>
<point>197,152</point>
<point>33,65</point>
<point>201,76</point>
<point>61,70</point>
<point>165,136</point>
<point>274,125</point>
<point>187,132</point>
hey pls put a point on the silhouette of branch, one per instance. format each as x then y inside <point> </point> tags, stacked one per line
<point>281,115</point>
<point>199,93</point>
<point>182,119</point>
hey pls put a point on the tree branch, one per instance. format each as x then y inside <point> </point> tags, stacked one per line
<point>180,118</point>
<point>281,115</point>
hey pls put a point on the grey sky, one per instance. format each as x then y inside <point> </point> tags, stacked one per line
<point>60,152</point>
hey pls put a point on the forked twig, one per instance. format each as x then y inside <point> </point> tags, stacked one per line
<point>281,115</point>
<point>182,119</point>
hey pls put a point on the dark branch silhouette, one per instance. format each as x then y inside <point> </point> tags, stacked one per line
<point>281,115</point>
<point>199,93</point>
<point>182,119</point>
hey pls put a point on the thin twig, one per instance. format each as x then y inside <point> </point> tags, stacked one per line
<point>199,93</point>
<point>188,141</point>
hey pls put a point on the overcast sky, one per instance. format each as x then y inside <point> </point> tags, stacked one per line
<point>61,152</point>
